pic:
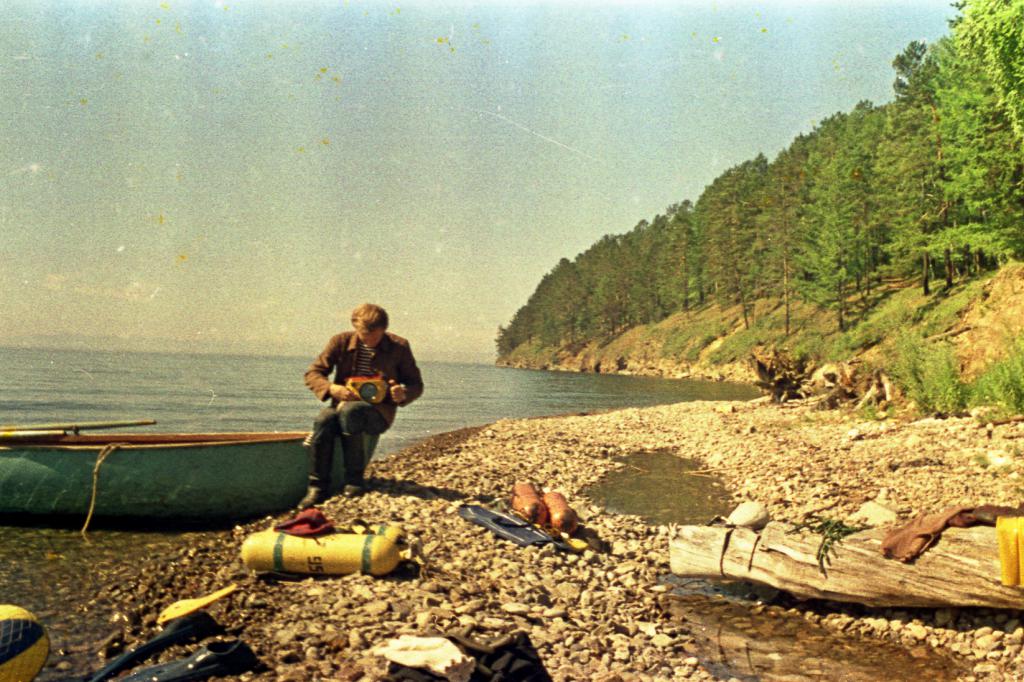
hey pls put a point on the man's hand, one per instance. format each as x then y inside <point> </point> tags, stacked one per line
<point>397,391</point>
<point>342,393</point>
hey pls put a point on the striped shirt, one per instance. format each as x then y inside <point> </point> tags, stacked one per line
<point>364,360</point>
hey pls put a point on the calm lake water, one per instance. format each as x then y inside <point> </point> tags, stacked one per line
<point>203,393</point>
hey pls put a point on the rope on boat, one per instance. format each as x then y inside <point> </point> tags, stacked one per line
<point>107,449</point>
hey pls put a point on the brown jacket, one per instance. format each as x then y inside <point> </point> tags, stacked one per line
<point>393,360</point>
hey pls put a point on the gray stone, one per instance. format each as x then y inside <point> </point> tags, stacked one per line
<point>662,641</point>
<point>286,635</point>
<point>917,631</point>
<point>986,643</point>
<point>749,514</point>
<point>569,592</point>
<point>515,608</point>
<point>472,606</point>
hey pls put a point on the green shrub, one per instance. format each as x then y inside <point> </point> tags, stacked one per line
<point>944,311</point>
<point>1002,383</point>
<point>808,345</point>
<point>928,375</point>
<point>739,345</point>
<point>686,343</point>
<point>694,351</point>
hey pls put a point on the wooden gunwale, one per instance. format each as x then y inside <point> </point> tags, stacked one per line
<point>151,440</point>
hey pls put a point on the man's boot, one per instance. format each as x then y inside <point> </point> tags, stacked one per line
<point>321,456</point>
<point>354,449</point>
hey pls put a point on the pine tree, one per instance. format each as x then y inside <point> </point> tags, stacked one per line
<point>994,31</point>
<point>909,163</point>
<point>830,257</point>
<point>983,160</point>
<point>781,210</point>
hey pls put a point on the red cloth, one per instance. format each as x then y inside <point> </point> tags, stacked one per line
<point>307,523</point>
<point>910,541</point>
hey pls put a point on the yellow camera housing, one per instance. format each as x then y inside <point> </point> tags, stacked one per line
<point>369,389</point>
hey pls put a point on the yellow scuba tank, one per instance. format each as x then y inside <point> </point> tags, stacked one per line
<point>377,552</point>
<point>1009,540</point>
<point>24,645</point>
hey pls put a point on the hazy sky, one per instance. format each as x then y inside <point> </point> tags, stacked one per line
<point>236,176</point>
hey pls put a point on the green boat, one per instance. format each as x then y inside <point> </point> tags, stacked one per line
<point>186,477</point>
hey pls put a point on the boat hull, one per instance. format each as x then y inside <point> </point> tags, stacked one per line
<point>181,477</point>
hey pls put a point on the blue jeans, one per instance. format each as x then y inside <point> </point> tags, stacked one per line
<point>349,421</point>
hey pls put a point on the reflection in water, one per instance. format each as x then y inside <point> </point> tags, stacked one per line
<point>663,489</point>
<point>56,574</point>
<point>777,646</point>
<point>736,636</point>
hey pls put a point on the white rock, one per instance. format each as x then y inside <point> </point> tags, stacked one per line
<point>749,515</point>
<point>661,641</point>
<point>999,458</point>
<point>515,608</point>
<point>916,631</point>
<point>649,629</point>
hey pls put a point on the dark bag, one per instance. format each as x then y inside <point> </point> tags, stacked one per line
<point>509,659</point>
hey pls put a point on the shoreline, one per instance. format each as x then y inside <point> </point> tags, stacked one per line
<point>595,615</point>
<point>734,372</point>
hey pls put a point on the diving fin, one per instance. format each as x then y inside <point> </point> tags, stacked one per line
<point>186,606</point>
<point>190,628</point>
<point>224,659</point>
<point>512,528</point>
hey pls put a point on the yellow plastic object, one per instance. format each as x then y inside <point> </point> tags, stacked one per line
<point>24,644</point>
<point>577,544</point>
<point>1008,536</point>
<point>187,606</point>
<point>376,553</point>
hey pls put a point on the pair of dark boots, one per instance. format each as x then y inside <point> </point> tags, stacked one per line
<point>321,462</point>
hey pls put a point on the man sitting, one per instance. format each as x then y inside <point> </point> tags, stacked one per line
<point>368,351</point>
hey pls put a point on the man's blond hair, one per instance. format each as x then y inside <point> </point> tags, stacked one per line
<point>369,317</point>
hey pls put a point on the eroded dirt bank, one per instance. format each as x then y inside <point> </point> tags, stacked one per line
<point>596,616</point>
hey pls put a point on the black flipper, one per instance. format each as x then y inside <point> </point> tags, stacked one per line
<point>189,628</point>
<point>509,527</point>
<point>216,658</point>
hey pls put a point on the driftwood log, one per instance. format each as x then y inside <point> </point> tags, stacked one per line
<point>785,378</point>
<point>962,569</point>
<point>780,375</point>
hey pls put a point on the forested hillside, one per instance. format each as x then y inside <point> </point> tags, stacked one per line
<point>926,189</point>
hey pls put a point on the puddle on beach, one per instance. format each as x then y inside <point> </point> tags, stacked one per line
<point>55,574</point>
<point>732,639</point>
<point>661,488</point>
<point>776,646</point>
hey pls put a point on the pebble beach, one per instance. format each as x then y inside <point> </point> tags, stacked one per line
<point>597,615</point>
